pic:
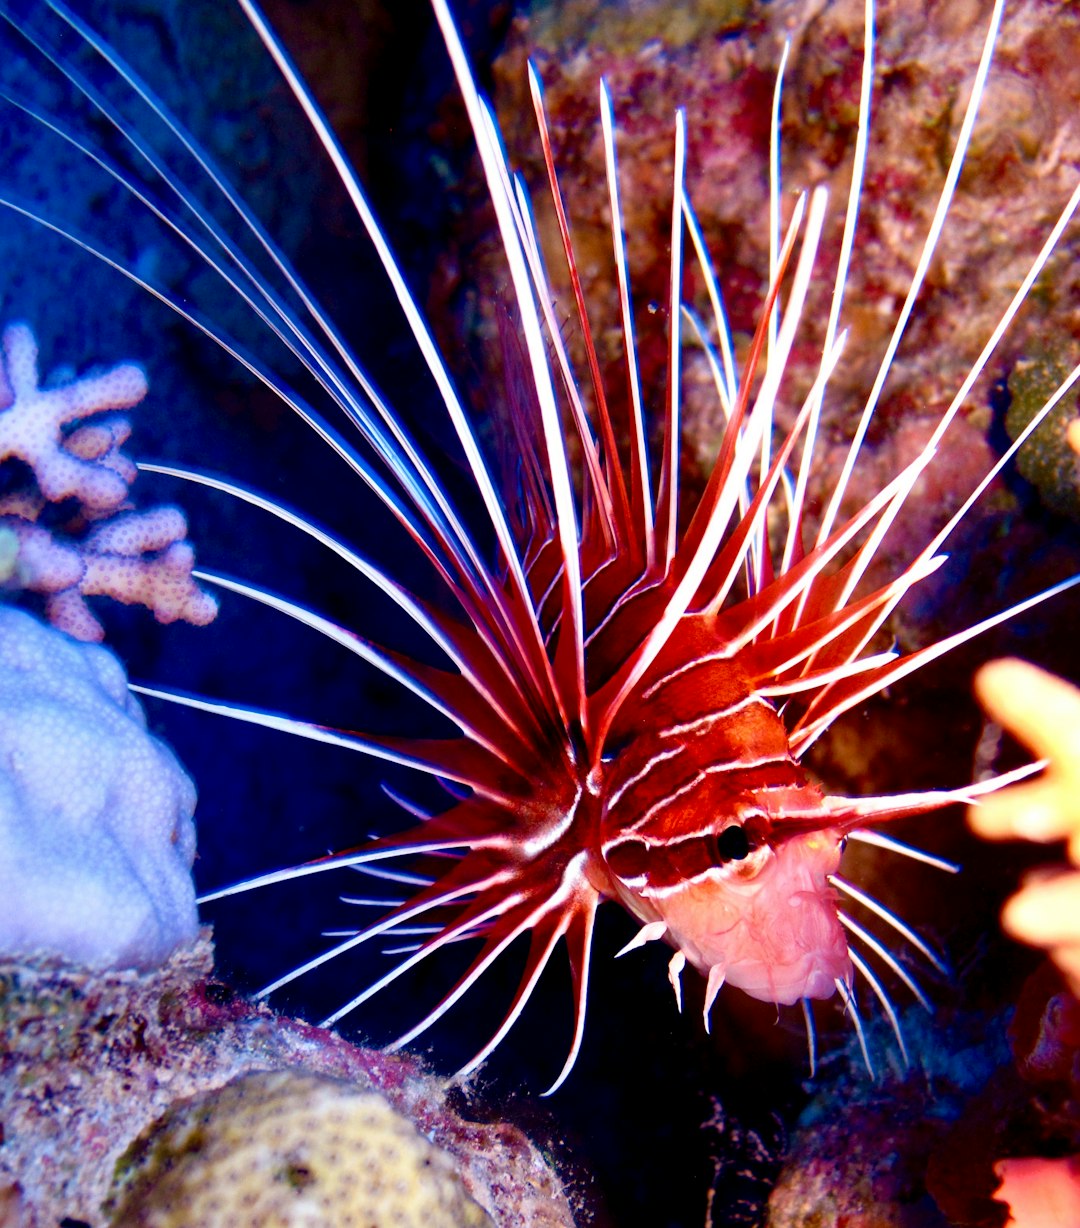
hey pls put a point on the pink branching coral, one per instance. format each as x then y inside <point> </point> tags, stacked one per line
<point>104,547</point>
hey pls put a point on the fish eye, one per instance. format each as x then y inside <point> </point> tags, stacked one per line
<point>732,844</point>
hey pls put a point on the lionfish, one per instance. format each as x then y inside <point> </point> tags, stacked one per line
<point>636,687</point>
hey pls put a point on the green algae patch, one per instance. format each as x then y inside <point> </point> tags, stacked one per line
<point>622,29</point>
<point>1045,458</point>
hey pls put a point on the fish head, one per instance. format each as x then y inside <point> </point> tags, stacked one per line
<point>746,903</point>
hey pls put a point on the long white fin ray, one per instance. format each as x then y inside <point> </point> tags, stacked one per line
<point>321,733</point>
<point>922,265</point>
<point>417,325</point>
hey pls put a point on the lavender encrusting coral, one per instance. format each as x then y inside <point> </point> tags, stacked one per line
<point>76,533</point>
<point>96,830</point>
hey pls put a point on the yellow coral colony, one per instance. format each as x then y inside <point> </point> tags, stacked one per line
<point>289,1149</point>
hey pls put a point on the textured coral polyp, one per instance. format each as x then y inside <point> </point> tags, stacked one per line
<point>285,1148</point>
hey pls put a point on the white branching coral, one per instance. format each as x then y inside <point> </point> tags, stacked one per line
<point>104,547</point>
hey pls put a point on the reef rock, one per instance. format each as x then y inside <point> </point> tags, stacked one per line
<point>163,1098</point>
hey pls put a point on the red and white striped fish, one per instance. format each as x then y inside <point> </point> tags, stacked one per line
<point>635,689</point>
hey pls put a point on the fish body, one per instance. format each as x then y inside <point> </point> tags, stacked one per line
<point>635,685</point>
